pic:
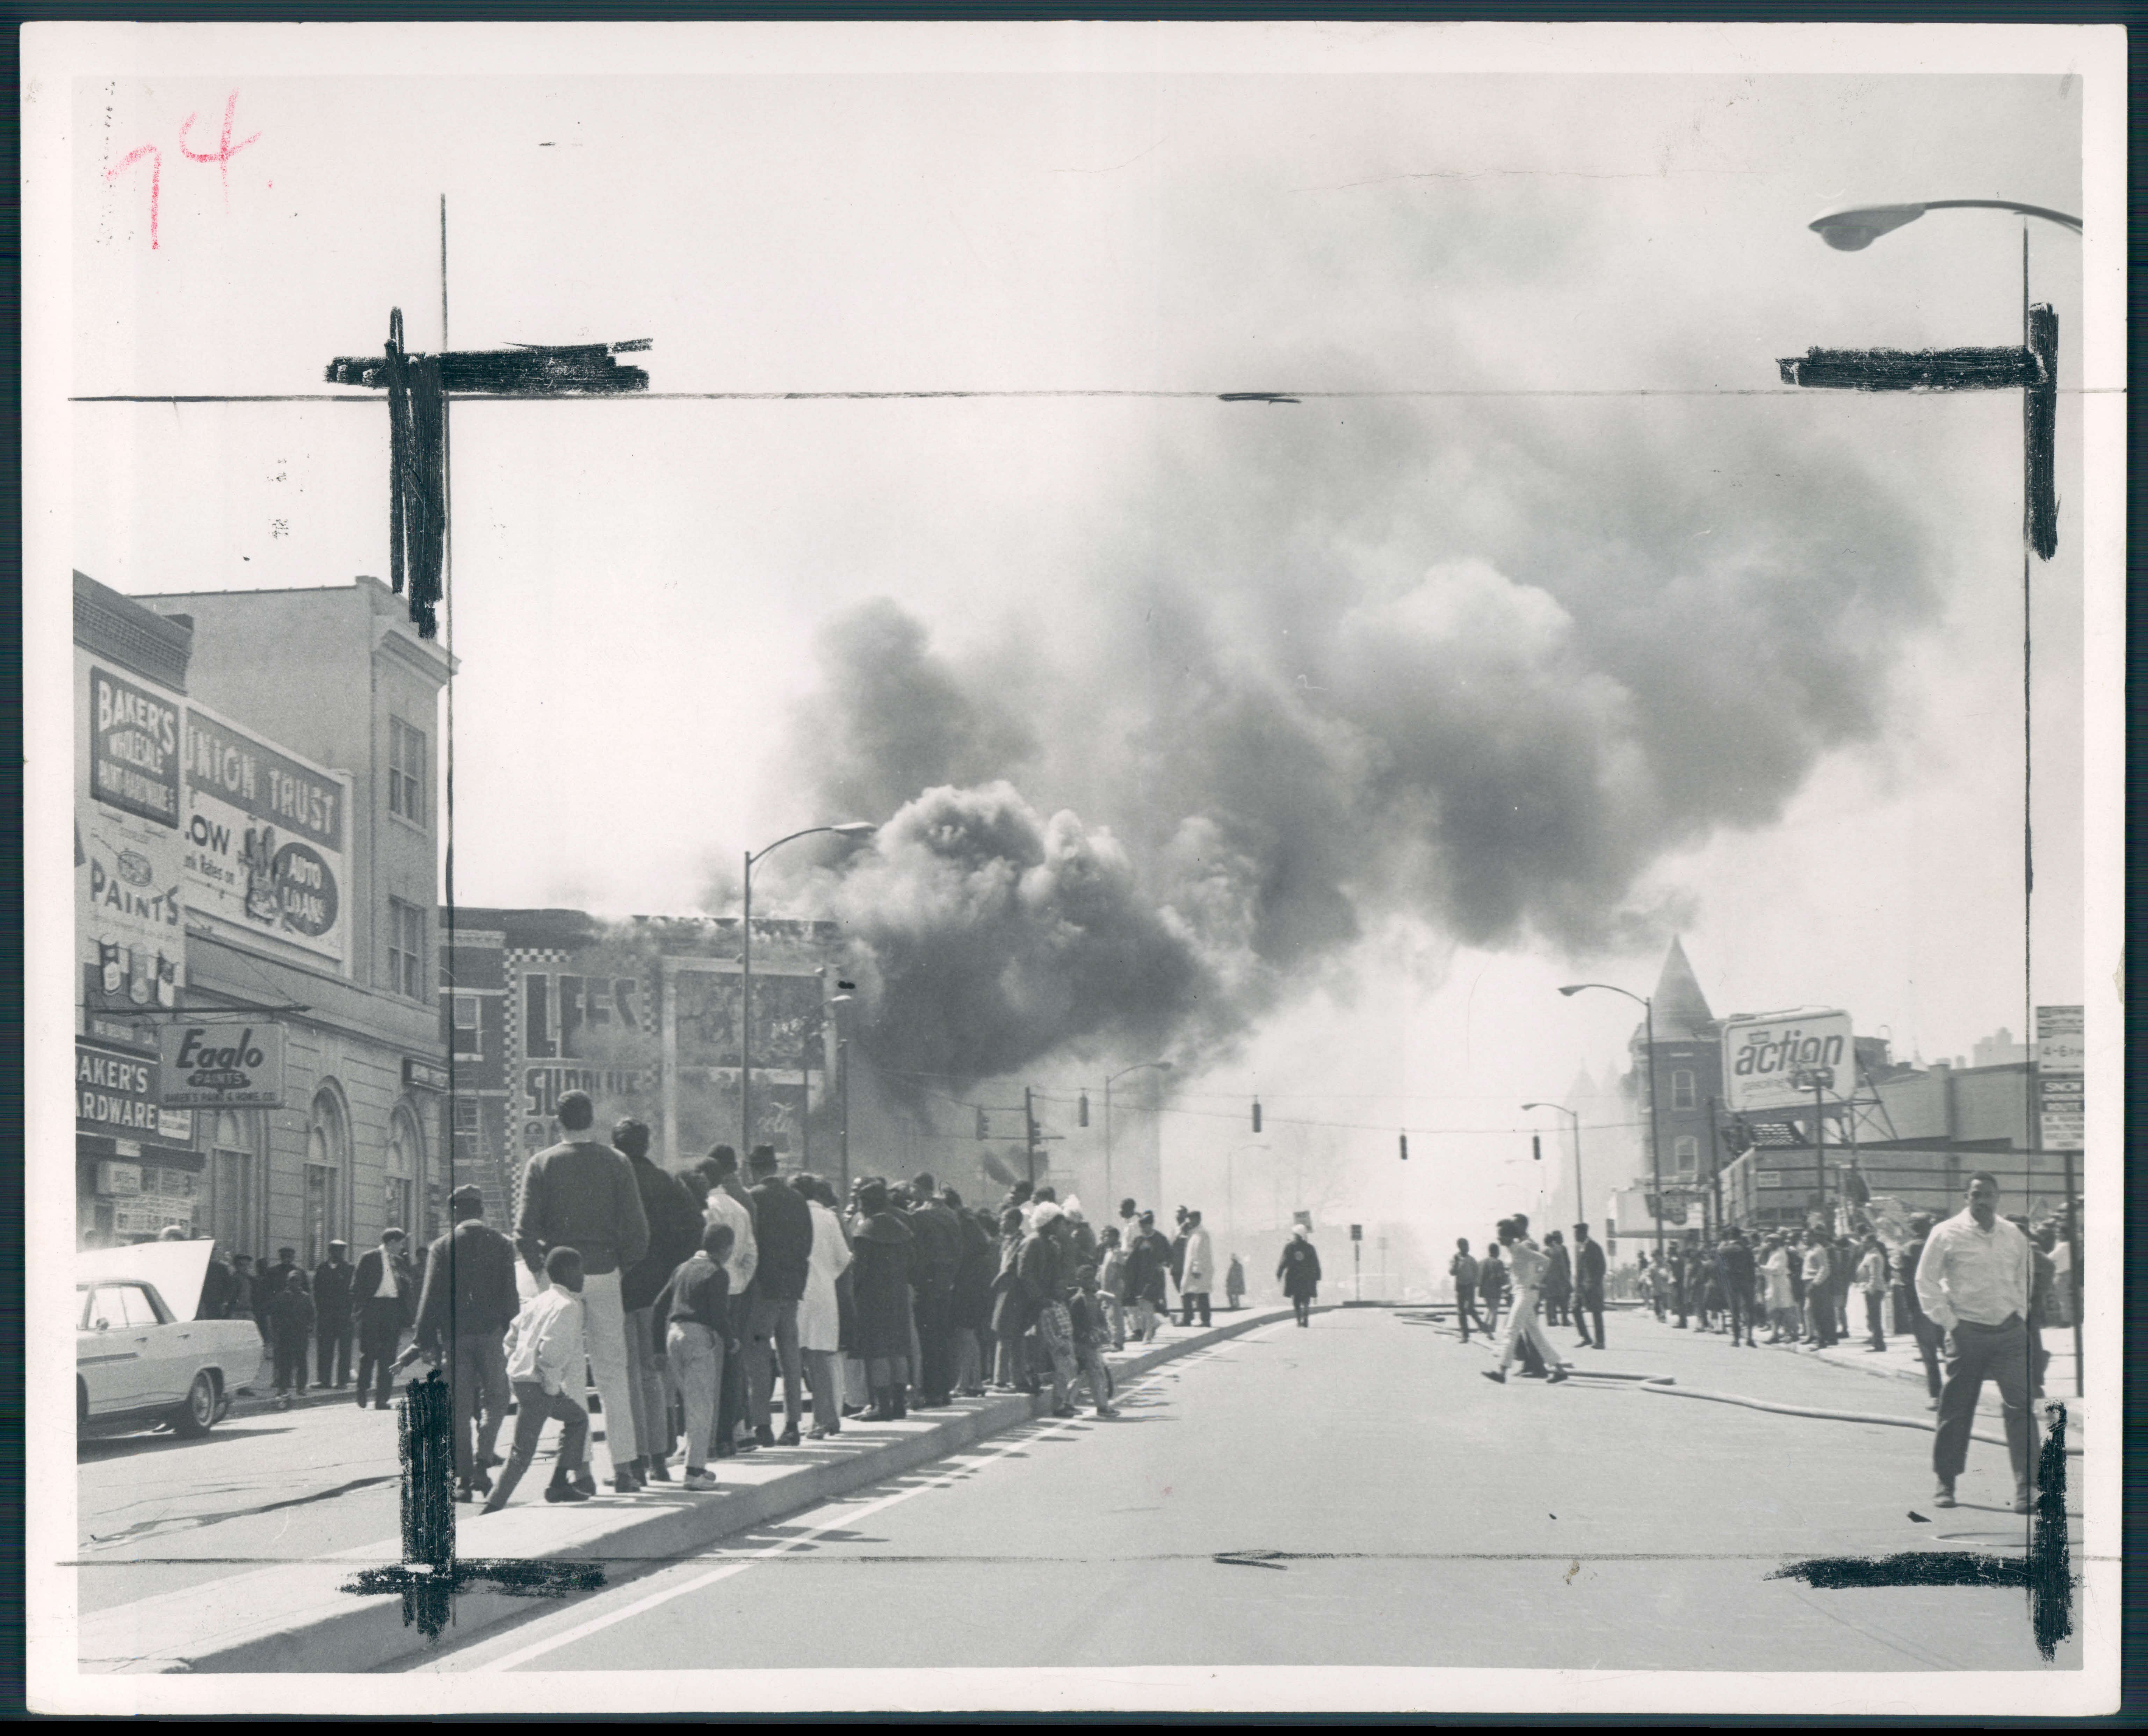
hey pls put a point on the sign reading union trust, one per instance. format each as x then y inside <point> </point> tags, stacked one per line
<point>222,1066</point>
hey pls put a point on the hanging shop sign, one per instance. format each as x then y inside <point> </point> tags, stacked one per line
<point>221,1065</point>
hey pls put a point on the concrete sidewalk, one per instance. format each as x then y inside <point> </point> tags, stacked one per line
<point>294,1616</point>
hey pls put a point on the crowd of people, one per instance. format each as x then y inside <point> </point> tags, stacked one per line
<point>1974,1292</point>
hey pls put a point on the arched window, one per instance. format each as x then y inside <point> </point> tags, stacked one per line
<point>233,1200</point>
<point>328,1152</point>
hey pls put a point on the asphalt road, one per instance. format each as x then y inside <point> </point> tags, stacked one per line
<point>1354,1493</point>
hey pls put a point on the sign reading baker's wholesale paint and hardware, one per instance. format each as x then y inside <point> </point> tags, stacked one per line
<point>1770,1060</point>
<point>134,748</point>
<point>222,1065</point>
<point>264,839</point>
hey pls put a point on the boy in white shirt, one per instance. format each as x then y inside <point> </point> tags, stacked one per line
<point>546,1358</point>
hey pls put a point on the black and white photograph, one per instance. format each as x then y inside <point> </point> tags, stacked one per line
<point>1063,868</point>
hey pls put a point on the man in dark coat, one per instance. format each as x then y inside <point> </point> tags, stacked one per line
<point>239,1300</point>
<point>331,1300</point>
<point>973,1294</point>
<point>675,1232</point>
<point>271,1282</point>
<point>937,1261</point>
<point>1734,1257</point>
<point>467,1302</point>
<point>1148,1259</point>
<point>783,1232</point>
<point>384,1290</point>
<point>883,1246</point>
<point>1587,1286</point>
<point>1299,1269</point>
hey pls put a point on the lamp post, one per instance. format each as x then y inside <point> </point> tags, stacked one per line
<point>1855,228</point>
<point>1580,1199</point>
<point>1819,1078</point>
<point>847,829</point>
<point>1139,1066</point>
<point>1655,1140</point>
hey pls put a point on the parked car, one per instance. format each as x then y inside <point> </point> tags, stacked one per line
<point>141,1355</point>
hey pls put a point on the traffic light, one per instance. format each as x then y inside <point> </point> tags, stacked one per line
<point>1256,1115</point>
<point>983,1131</point>
<point>1403,1140</point>
<point>1536,1146</point>
<point>1081,1110</point>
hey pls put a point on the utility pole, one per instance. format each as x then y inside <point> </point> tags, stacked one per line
<point>1029,1133</point>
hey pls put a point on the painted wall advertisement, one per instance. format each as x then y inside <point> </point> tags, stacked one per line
<point>130,903</point>
<point>1770,1059</point>
<point>2061,1053</point>
<point>264,839</point>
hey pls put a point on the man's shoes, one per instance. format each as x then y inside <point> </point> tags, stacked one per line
<point>381,1405</point>
<point>481,1484</point>
<point>698,1483</point>
<point>557,1492</point>
<point>656,1471</point>
<point>820,1431</point>
<point>1107,1410</point>
<point>584,1480</point>
<point>789,1437</point>
<point>1063,1410</point>
<point>462,1492</point>
<point>1943,1495</point>
<point>1497,1374</point>
<point>763,1436</point>
<point>1555,1376</point>
<point>623,1484</point>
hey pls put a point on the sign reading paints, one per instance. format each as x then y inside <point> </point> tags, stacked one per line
<point>1770,1059</point>
<point>222,1066</point>
<point>265,838</point>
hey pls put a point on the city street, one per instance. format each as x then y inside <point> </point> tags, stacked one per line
<point>1355,1493</point>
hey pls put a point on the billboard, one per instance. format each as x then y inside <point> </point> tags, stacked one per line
<point>134,748</point>
<point>130,910</point>
<point>1770,1059</point>
<point>265,838</point>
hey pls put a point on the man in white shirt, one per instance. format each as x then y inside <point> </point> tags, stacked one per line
<point>1973,1283</point>
<point>727,1204</point>
<point>546,1350</point>
<point>1528,1262</point>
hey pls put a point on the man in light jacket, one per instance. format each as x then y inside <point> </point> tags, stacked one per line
<point>728,1204</point>
<point>581,1194</point>
<point>1528,1263</point>
<point>545,1352</point>
<point>1200,1275</point>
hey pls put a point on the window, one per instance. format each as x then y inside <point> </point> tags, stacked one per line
<point>231,1185</point>
<point>406,950</point>
<point>406,771</point>
<point>1685,1154</point>
<point>1682,1096</point>
<point>399,1198</point>
<point>466,1124</point>
<point>121,1304</point>
<point>322,1202</point>
<point>466,1039</point>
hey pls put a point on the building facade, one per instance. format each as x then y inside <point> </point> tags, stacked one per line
<point>299,834</point>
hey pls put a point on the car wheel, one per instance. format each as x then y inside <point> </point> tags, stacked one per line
<point>198,1415</point>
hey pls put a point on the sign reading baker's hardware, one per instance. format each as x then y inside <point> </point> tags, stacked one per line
<point>224,1066</point>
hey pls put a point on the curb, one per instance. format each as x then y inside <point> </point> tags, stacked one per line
<point>311,1625</point>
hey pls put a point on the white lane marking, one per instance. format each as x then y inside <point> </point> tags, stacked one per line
<point>848,1515</point>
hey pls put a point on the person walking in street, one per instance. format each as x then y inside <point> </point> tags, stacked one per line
<point>467,1304</point>
<point>1200,1278</point>
<point>385,1291</point>
<point>1558,1279</point>
<point>1148,1262</point>
<point>1463,1269</point>
<point>727,1203</point>
<point>546,1347</point>
<point>1492,1287</point>
<point>581,1194</point>
<point>290,1330</point>
<point>1528,1265</point>
<point>1872,1279</point>
<point>819,1310</point>
<point>1112,1284</point>
<point>674,1231</point>
<point>884,1246</point>
<point>1299,1270</point>
<point>1780,1301</point>
<point>1974,1283</point>
<point>1047,1280</point>
<point>1656,1278</point>
<point>1587,1286</point>
<point>1820,1264</point>
<point>333,1279</point>
<point>693,1311</point>
<point>783,1232</point>
<point>937,1264</point>
<point>1735,1272</point>
<point>1085,1310</point>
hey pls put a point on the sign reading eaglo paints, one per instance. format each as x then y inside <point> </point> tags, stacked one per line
<point>222,1066</point>
<point>1765,1055</point>
<point>265,838</point>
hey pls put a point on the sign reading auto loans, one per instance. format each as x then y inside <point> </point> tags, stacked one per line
<point>223,1066</point>
<point>1768,1060</point>
<point>264,838</point>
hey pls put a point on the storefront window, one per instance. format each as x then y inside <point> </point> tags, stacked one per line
<point>326,1148</point>
<point>231,1200</point>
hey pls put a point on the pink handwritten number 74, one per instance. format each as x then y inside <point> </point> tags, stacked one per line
<point>221,157</point>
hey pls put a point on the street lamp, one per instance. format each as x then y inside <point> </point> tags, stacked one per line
<point>847,829</point>
<point>1856,228</point>
<point>1139,1066</point>
<point>1655,1140</point>
<point>1580,1199</point>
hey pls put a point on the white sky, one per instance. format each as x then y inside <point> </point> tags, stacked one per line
<point>639,585</point>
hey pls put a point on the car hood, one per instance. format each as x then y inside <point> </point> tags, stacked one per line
<point>176,1268</point>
